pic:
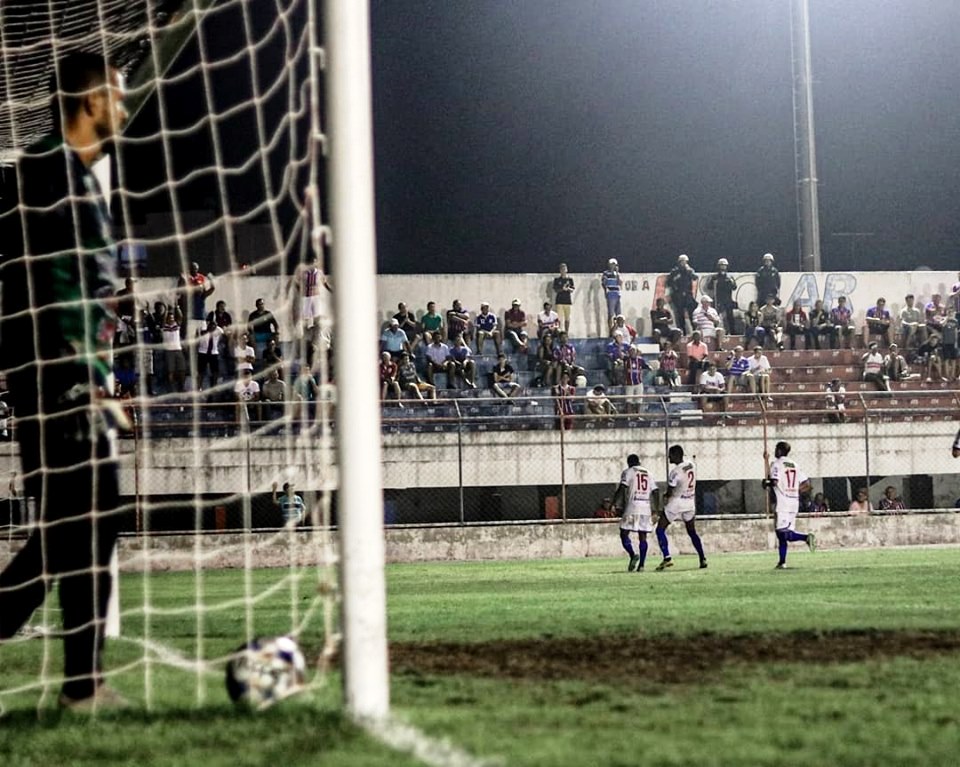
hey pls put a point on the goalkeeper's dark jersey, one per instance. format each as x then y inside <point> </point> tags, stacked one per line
<point>58,274</point>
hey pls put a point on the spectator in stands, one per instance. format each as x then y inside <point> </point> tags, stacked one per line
<point>624,333</point>
<point>564,393</point>
<point>706,320</point>
<point>667,372</point>
<point>246,393</point>
<point>879,323</point>
<point>565,357</point>
<point>431,322</point>
<point>895,366</point>
<point>437,354</point>
<point>820,504</point>
<point>154,335</point>
<point>605,510</point>
<point>273,357</point>
<point>954,300</point>
<point>221,316</point>
<point>291,505</point>
<point>563,296</point>
<point>771,320</point>
<point>547,374</point>
<point>697,354</point>
<point>821,327</point>
<point>409,325</point>
<point>633,370</point>
<point>681,280</point>
<point>861,502</point>
<point>410,381</point>
<point>458,322</point>
<point>767,280</point>
<point>263,328</point>
<point>872,367</point>
<point>515,326</point>
<point>890,500</point>
<point>753,331</point>
<point>758,373</point>
<point>273,394</point>
<point>548,321</point>
<point>796,323</point>
<point>501,378</point>
<point>737,368</point>
<point>948,343</point>
<point>393,340</point>
<point>836,400</point>
<point>306,392</point>
<point>127,313</point>
<point>928,355</point>
<point>615,353</point>
<point>841,322</point>
<point>711,384</point>
<point>461,365</point>
<point>612,284</point>
<point>661,320</point>
<point>935,314</point>
<point>487,327</point>
<point>194,287</point>
<point>174,361</point>
<point>208,354</point>
<point>913,327</point>
<point>724,287</point>
<point>598,403</point>
<point>389,382</point>
<point>243,354</point>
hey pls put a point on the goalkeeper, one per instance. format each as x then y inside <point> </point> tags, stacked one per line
<point>58,324</point>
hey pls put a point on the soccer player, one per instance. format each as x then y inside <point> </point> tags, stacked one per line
<point>58,326</point>
<point>681,504</point>
<point>785,484</point>
<point>633,495</point>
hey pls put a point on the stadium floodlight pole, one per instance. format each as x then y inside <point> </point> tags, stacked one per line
<point>346,25</point>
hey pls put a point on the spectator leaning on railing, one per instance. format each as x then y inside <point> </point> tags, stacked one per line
<point>890,500</point>
<point>861,502</point>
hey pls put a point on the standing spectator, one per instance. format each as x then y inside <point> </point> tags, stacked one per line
<point>913,328</point>
<point>758,373</point>
<point>954,297</point>
<point>948,343</point>
<point>195,287</point>
<point>437,354</point>
<point>246,393</point>
<point>697,353</point>
<point>431,323</point>
<point>174,360</point>
<point>752,330</point>
<point>155,323</point>
<point>460,364</point>
<point>224,321</point>
<point>565,357</point>
<point>486,325</point>
<point>244,357</point>
<point>878,322</point>
<point>935,314</point>
<point>667,372</point>
<point>706,319</point>
<point>458,322</point>
<point>724,287</point>
<point>767,280</point>
<point>410,382</point>
<point>894,365</point>
<point>393,340</point>
<point>547,374</point>
<point>681,280</point>
<point>273,358</point>
<point>633,369</point>
<point>615,353</point>
<point>208,354</point>
<point>126,314</point>
<point>501,378</point>
<point>842,328</point>
<point>891,501</point>
<point>262,327</point>
<point>564,394</point>
<point>797,324</point>
<point>306,392</point>
<point>661,320</point>
<point>389,372</point>
<point>612,284</point>
<point>772,322</point>
<point>273,394</point>
<point>928,355</point>
<point>624,333</point>
<point>307,281</point>
<point>821,325</point>
<point>861,503</point>
<point>836,400</point>
<point>409,325</point>
<point>563,296</point>
<point>872,363</point>
<point>598,403</point>
<point>291,505</point>
<point>515,326</point>
<point>737,368</point>
<point>711,384</point>
<point>548,321</point>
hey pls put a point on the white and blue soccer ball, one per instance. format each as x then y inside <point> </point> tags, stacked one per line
<point>266,670</point>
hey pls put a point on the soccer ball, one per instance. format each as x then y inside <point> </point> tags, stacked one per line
<point>264,671</point>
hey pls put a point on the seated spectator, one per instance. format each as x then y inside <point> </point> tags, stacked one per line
<point>928,356</point>
<point>935,314</point>
<point>913,326</point>
<point>667,372</point>
<point>431,323</point>
<point>486,326</point>
<point>619,329</point>
<point>547,366</point>
<point>461,365</point>
<point>208,353</point>
<point>895,366</point>
<point>697,353</point>
<point>633,369</point>
<point>247,394</point>
<point>262,326</point>
<point>389,378</point>
<point>598,403</point>
<point>872,364</point>
<point>796,323</point>
<point>836,400</point>
<point>707,321</point>
<point>820,504</point>
<point>409,380</point>
<point>758,373</point>
<point>661,320</point>
<point>820,325</point>
<point>711,384</point>
<point>437,354</point>
<point>861,503</point>
<point>616,351</point>
<point>565,357</point>
<point>458,322</point>
<point>273,394</point>
<point>393,340</point>
<point>752,330</point>
<point>409,325</point>
<point>515,326</point>
<point>771,321</point>
<point>948,343</point>
<point>891,501</point>
<point>548,321</point>
<point>564,393</point>
<point>501,378</point>
<point>879,323</point>
<point>737,368</point>
<point>841,322</point>
<point>605,510</point>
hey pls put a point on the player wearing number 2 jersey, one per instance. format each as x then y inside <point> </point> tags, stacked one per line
<point>633,495</point>
<point>785,484</point>
<point>681,504</point>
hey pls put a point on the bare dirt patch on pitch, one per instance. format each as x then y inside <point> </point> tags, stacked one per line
<point>666,659</point>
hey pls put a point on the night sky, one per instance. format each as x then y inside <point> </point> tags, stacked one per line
<point>513,134</point>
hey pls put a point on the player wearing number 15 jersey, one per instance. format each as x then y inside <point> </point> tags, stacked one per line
<point>786,482</point>
<point>681,504</point>
<point>633,495</point>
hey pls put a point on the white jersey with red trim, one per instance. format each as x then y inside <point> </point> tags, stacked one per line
<point>788,477</point>
<point>683,477</point>
<point>640,485</point>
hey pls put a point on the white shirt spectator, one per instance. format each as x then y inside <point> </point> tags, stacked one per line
<point>872,363</point>
<point>713,382</point>
<point>759,365</point>
<point>243,354</point>
<point>246,391</point>
<point>706,319</point>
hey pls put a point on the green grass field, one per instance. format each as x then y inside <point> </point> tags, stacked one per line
<point>850,658</point>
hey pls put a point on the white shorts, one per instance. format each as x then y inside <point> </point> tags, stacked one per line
<point>634,392</point>
<point>786,520</point>
<point>309,308</point>
<point>637,521</point>
<point>676,512</point>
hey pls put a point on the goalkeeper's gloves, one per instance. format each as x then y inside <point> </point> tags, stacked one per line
<point>768,483</point>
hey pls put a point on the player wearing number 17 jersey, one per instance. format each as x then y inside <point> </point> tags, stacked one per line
<point>786,482</point>
<point>681,504</point>
<point>633,495</point>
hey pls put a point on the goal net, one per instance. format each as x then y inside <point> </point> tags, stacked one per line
<point>204,374</point>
